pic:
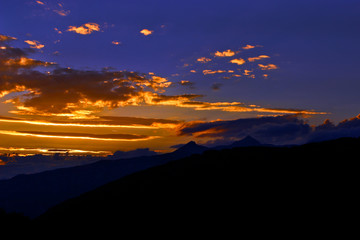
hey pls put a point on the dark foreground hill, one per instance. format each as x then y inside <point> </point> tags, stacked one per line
<point>275,192</point>
<point>33,194</point>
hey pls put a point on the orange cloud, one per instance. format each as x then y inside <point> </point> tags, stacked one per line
<point>4,38</point>
<point>35,44</point>
<point>116,42</point>
<point>253,59</point>
<point>204,59</point>
<point>40,2</point>
<point>227,53</point>
<point>248,47</point>
<point>79,136</point>
<point>205,72</point>
<point>146,32</point>
<point>62,12</point>
<point>85,29</point>
<point>239,61</point>
<point>268,67</point>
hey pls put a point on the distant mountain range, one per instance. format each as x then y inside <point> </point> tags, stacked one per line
<point>258,190</point>
<point>33,194</point>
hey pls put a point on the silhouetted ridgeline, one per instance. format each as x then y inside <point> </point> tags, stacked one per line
<point>310,190</point>
<point>302,190</point>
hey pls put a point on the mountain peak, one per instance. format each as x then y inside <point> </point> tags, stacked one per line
<point>191,148</point>
<point>246,142</point>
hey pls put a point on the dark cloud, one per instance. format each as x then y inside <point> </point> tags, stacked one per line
<point>286,129</point>
<point>83,135</point>
<point>216,86</point>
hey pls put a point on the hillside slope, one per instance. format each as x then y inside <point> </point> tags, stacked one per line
<point>296,189</point>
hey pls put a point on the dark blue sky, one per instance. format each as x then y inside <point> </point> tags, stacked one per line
<point>310,54</point>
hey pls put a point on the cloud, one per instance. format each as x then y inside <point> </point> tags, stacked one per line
<point>98,122</point>
<point>4,38</point>
<point>284,129</point>
<point>239,61</point>
<point>79,136</point>
<point>40,2</point>
<point>216,86</point>
<point>116,42</point>
<point>279,130</point>
<point>187,83</point>
<point>227,53</point>
<point>206,72</point>
<point>147,32</point>
<point>85,29</point>
<point>268,67</point>
<point>247,47</point>
<point>82,94</point>
<point>62,12</point>
<point>35,44</point>
<point>253,59</point>
<point>204,59</point>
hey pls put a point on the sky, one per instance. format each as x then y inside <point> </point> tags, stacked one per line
<point>93,77</point>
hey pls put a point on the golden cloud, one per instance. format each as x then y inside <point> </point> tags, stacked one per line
<point>227,53</point>
<point>204,59</point>
<point>239,61</point>
<point>62,12</point>
<point>35,44</point>
<point>116,42</point>
<point>205,72</point>
<point>247,47</point>
<point>85,29</point>
<point>268,67</point>
<point>253,59</point>
<point>146,32</point>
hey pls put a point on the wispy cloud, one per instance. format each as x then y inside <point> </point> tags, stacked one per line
<point>268,67</point>
<point>204,59</point>
<point>253,59</point>
<point>85,29</point>
<point>247,47</point>
<point>35,44</point>
<point>79,136</point>
<point>63,13</point>
<point>207,71</point>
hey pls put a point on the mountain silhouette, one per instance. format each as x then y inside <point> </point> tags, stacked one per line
<point>253,190</point>
<point>248,141</point>
<point>190,148</point>
<point>34,193</point>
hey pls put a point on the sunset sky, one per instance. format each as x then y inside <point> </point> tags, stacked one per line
<point>94,76</point>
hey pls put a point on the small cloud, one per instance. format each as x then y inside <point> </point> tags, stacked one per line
<point>58,31</point>
<point>146,32</point>
<point>4,38</point>
<point>186,83</point>
<point>62,12</point>
<point>34,44</point>
<point>247,47</point>
<point>247,72</point>
<point>205,72</point>
<point>268,67</point>
<point>204,59</point>
<point>265,76</point>
<point>239,61</point>
<point>40,2</point>
<point>193,71</point>
<point>253,59</point>
<point>216,86</point>
<point>116,42</point>
<point>227,53</point>
<point>85,29</point>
